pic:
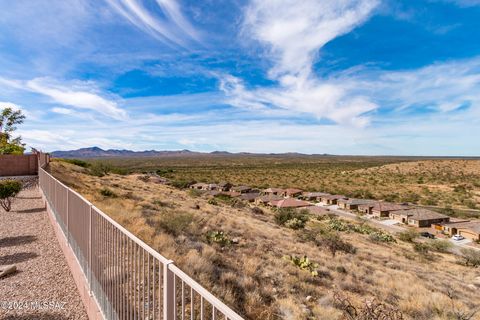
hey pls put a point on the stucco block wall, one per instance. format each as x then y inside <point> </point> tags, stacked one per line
<point>18,165</point>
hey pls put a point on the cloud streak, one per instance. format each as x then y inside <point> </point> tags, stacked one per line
<point>172,28</point>
<point>81,95</point>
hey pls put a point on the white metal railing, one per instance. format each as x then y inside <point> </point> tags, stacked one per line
<point>128,279</point>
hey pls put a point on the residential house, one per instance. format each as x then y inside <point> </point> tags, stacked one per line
<point>330,199</point>
<point>291,203</point>
<point>419,217</point>
<point>213,186</point>
<point>382,209</point>
<point>250,196</point>
<point>225,186</point>
<point>241,189</point>
<point>352,204</point>
<point>292,192</point>
<point>274,191</point>
<point>313,196</point>
<point>468,229</point>
<point>267,198</point>
<point>199,186</point>
<point>232,194</point>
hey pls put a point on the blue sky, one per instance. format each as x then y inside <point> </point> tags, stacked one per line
<point>316,76</point>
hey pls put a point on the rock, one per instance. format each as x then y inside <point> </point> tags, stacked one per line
<point>309,298</point>
<point>235,240</point>
<point>472,286</point>
<point>6,270</point>
<point>476,281</point>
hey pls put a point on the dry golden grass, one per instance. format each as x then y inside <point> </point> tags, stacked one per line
<point>252,276</point>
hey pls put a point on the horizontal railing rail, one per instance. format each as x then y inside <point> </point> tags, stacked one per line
<point>127,278</point>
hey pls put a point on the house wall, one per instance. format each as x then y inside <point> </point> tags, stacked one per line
<point>383,214</point>
<point>469,234</point>
<point>426,223</point>
<point>18,165</point>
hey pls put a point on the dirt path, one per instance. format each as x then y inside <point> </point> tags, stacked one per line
<point>43,287</point>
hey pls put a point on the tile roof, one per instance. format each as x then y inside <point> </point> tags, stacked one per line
<point>357,201</point>
<point>291,203</point>
<point>314,194</point>
<point>292,190</point>
<point>333,196</point>
<point>388,206</point>
<point>249,196</point>
<point>269,197</point>
<point>271,190</point>
<point>421,214</point>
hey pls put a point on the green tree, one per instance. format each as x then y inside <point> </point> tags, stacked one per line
<point>8,121</point>
<point>8,191</point>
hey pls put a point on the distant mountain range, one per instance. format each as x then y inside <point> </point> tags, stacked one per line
<point>96,152</point>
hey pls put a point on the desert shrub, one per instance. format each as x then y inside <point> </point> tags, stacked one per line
<point>291,218</point>
<point>408,235</point>
<point>334,243</point>
<point>470,257</point>
<point>213,202</point>
<point>99,168</point>
<point>440,245</point>
<point>76,162</point>
<point>181,184</point>
<point>303,263</point>
<point>341,269</point>
<point>8,191</point>
<point>218,237</point>
<point>175,223</point>
<point>375,234</point>
<point>257,210</point>
<point>163,204</point>
<point>338,225</point>
<point>144,178</point>
<point>295,223</point>
<point>108,193</point>
<point>369,310</point>
<point>470,204</point>
<point>380,236</point>
<point>195,193</point>
<point>420,247</point>
<point>164,172</point>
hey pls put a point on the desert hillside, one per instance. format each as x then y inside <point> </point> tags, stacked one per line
<point>241,253</point>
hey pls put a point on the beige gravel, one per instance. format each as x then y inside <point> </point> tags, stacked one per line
<point>27,239</point>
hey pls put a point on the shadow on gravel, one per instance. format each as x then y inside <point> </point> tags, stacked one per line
<point>36,316</point>
<point>19,197</point>
<point>33,210</point>
<point>17,257</point>
<point>16,241</point>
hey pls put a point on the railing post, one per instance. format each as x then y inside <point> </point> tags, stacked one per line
<point>90,250</point>
<point>168,292</point>
<point>68,225</point>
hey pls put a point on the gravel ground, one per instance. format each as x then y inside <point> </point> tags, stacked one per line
<point>27,240</point>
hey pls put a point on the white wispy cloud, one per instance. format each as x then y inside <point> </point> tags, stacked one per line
<point>79,94</point>
<point>292,33</point>
<point>172,27</point>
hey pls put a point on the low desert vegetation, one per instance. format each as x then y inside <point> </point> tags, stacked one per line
<point>449,186</point>
<point>336,269</point>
